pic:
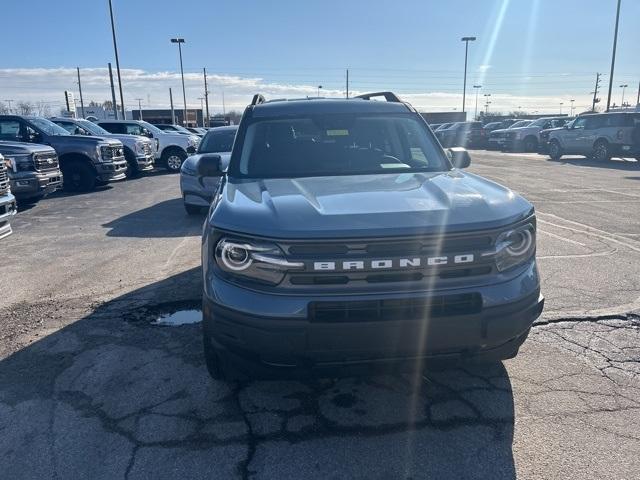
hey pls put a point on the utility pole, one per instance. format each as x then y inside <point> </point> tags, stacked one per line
<point>477,87</point>
<point>466,41</point>
<point>80,88</point>
<point>638,100</point>
<point>348,83</point>
<point>113,94</point>
<point>595,93</point>
<point>623,86</point>
<point>319,87</point>
<point>572,105</point>
<point>180,41</point>
<point>206,98</point>
<point>115,48</point>
<point>139,108</point>
<point>561,104</point>
<point>613,55</point>
<point>173,113</point>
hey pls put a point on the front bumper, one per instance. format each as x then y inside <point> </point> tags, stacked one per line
<point>112,171</point>
<point>25,185</point>
<point>281,330</point>
<point>145,162</point>
<point>7,210</point>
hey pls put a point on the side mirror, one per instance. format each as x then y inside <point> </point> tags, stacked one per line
<point>459,157</point>
<point>210,165</point>
<point>35,137</point>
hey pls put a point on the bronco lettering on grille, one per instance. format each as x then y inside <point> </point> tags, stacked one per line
<point>387,263</point>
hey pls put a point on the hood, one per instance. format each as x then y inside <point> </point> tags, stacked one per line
<point>180,136</point>
<point>124,138</point>
<point>85,139</point>
<point>366,205</point>
<point>192,161</point>
<point>22,147</point>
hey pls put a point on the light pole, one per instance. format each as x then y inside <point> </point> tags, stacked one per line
<point>139,107</point>
<point>572,102</point>
<point>477,87</point>
<point>319,87</point>
<point>561,104</point>
<point>115,48</point>
<point>466,41</point>
<point>613,55</point>
<point>180,41</point>
<point>623,88</point>
<point>486,103</point>
<point>202,108</point>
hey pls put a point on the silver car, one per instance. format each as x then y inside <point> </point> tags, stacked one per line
<point>197,192</point>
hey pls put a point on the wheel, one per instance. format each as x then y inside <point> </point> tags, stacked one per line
<point>555,150</point>
<point>601,151</point>
<point>132,165</point>
<point>173,159</point>
<point>78,177</point>
<point>530,144</point>
<point>192,209</point>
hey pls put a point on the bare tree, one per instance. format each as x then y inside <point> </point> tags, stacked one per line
<point>93,103</point>
<point>25,108</point>
<point>43,109</point>
<point>4,110</point>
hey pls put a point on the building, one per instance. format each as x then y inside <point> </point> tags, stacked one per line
<point>194,116</point>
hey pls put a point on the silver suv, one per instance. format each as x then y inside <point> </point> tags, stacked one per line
<point>599,136</point>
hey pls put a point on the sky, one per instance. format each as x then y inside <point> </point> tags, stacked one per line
<point>530,55</point>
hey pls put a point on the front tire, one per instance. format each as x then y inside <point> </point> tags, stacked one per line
<point>555,150</point>
<point>601,151</point>
<point>132,165</point>
<point>173,159</point>
<point>78,177</point>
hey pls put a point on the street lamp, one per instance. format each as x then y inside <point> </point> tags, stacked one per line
<point>466,41</point>
<point>561,104</point>
<point>202,109</point>
<point>115,48</point>
<point>486,103</point>
<point>572,102</point>
<point>613,55</point>
<point>623,88</point>
<point>180,41</point>
<point>477,87</point>
<point>139,107</point>
<point>319,87</point>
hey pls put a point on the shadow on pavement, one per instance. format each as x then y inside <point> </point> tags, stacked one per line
<point>164,219</point>
<point>617,164</point>
<point>111,396</point>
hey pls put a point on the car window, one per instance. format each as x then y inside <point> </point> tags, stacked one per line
<point>132,129</point>
<point>217,141</point>
<point>68,126</point>
<point>10,130</point>
<point>337,144</point>
<point>579,123</point>
<point>112,127</point>
<point>594,122</point>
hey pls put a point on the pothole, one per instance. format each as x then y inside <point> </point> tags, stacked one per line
<point>181,317</point>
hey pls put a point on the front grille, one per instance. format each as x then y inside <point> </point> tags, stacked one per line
<point>395,310</point>
<point>45,161</point>
<point>4,177</point>
<point>109,153</point>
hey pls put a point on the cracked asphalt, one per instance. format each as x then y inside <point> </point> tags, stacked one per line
<point>90,389</point>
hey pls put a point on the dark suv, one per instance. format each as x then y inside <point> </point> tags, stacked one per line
<point>462,134</point>
<point>84,161</point>
<point>343,235</point>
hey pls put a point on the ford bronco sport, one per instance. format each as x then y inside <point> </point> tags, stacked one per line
<point>343,235</point>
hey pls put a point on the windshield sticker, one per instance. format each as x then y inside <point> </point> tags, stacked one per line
<point>337,133</point>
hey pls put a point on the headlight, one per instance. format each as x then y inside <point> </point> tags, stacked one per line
<point>22,162</point>
<point>260,262</point>
<point>139,147</point>
<point>515,246</point>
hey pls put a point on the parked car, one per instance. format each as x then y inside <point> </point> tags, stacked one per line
<point>442,126</point>
<point>491,126</point>
<point>543,144</point>
<point>527,137</point>
<point>342,234</point>
<point>599,136</point>
<point>34,171</point>
<point>462,134</point>
<point>7,201</point>
<point>197,192</point>
<point>85,161</point>
<point>201,132</point>
<point>497,138</point>
<point>139,151</point>
<point>166,127</point>
<point>171,148</point>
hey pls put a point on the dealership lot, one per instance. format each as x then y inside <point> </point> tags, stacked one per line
<point>89,388</point>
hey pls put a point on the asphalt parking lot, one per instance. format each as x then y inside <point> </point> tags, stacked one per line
<point>90,388</point>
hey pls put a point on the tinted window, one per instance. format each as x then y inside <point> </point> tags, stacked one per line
<point>595,122</point>
<point>322,145</point>
<point>10,130</point>
<point>217,141</point>
<point>48,126</point>
<point>113,127</point>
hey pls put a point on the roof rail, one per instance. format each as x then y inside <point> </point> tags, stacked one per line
<point>388,96</point>
<point>257,99</point>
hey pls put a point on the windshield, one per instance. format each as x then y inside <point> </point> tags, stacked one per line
<point>345,144</point>
<point>92,127</point>
<point>218,141</point>
<point>152,128</point>
<point>539,123</point>
<point>48,126</point>
<point>521,123</point>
